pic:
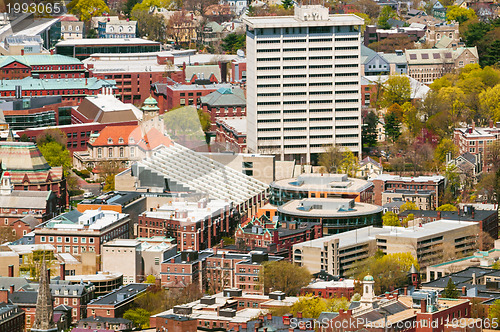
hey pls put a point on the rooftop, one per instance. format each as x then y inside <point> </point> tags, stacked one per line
<point>30,83</point>
<point>120,295</point>
<point>94,220</point>
<point>184,211</point>
<point>389,177</point>
<point>323,182</point>
<point>328,207</point>
<point>106,41</point>
<point>238,124</point>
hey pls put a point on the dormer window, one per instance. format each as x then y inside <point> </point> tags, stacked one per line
<point>131,140</point>
<point>110,140</point>
<point>120,140</point>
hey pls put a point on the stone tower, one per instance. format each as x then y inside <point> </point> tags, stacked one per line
<point>43,317</point>
<point>368,299</point>
<point>150,109</point>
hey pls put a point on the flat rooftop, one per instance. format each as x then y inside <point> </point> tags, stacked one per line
<point>323,182</point>
<point>328,207</point>
<point>390,177</point>
<point>188,211</point>
<point>105,41</point>
<point>239,124</point>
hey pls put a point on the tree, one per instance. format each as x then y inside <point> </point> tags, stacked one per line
<point>385,14</point>
<point>484,35</point>
<point>392,126</point>
<point>494,311</point>
<point>151,279</point>
<point>397,90</point>
<point>33,261</point>
<point>349,163</point>
<point>408,205</point>
<point>397,41</point>
<point>447,207</point>
<point>406,220</point>
<point>56,155</point>
<point>107,170</point>
<point>86,9</point>
<point>331,159</point>
<point>390,219</point>
<point>490,101</point>
<point>147,5</point>
<point>287,4</point>
<point>284,276</point>
<point>149,25</point>
<point>369,7</point>
<point>184,123</point>
<point>445,147</point>
<point>411,119</point>
<point>128,6</point>
<point>7,234</point>
<point>310,306</point>
<point>459,14</point>
<point>450,291</point>
<point>369,130</point>
<point>139,316</point>
<point>234,42</point>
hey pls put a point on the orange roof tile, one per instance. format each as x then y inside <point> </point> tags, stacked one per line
<point>115,133</point>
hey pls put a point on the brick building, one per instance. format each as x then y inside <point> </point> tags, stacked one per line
<point>30,171</point>
<point>262,232</point>
<point>409,189</point>
<point>76,233</point>
<point>476,140</point>
<point>171,95</point>
<point>330,289</point>
<point>115,303</point>
<point>11,316</point>
<point>231,132</point>
<point>195,225</point>
<point>224,102</point>
<point>42,66</point>
<point>68,88</point>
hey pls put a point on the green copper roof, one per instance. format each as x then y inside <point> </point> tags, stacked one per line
<point>40,60</point>
<point>30,83</point>
<point>368,278</point>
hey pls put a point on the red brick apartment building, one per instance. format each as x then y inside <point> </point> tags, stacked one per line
<point>402,185</point>
<point>45,66</point>
<point>330,289</point>
<point>195,225</point>
<point>115,303</point>
<point>11,316</point>
<point>232,133</point>
<point>215,270</point>
<point>87,231</point>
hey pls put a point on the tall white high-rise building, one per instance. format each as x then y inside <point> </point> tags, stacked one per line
<point>303,83</point>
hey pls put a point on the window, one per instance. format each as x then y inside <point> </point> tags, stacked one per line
<point>121,152</point>
<point>132,151</point>
<point>110,152</point>
<point>99,153</point>
<point>83,240</point>
<point>42,239</point>
<point>91,240</point>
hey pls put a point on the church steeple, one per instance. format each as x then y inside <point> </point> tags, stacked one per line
<point>43,317</point>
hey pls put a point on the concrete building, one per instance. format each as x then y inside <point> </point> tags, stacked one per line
<point>335,215</point>
<point>303,74</point>
<point>336,254</point>
<point>134,259</point>
<point>320,186</point>
<point>425,191</point>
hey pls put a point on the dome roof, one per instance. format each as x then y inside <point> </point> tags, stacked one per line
<point>150,101</point>
<point>368,278</point>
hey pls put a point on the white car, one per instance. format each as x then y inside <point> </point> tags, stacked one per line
<point>87,195</point>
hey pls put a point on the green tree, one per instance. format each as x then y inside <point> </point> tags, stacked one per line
<point>148,4</point>
<point>385,14</point>
<point>287,4</point>
<point>445,147</point>
<point>151,279</point>
<point>185,123</point>
<point>128,6</point>
<point>490,101</point>
<point>86,9</point>
<point>369,130</point>
<point>150,26</point>
<point>56,155</point>
<point>310,306</point>
<point>392,126</point>
<point>447,207</point>
<point>349,163</point>
<point>411,119</point>
<point>406,220</point>
<point>496,265</point>
<point>450,291</point>
<point>331,159</point>
<point>390,219</point>
<point>397,89</point>
<point>140,317</point>
<point>234,42</point>
<point>484,35</point>
<point>335,304</point>
<point>107,170</point>
<point>284,276</point>
<point>408,205</point>
<point>459,14</point>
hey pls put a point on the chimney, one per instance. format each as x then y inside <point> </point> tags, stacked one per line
<point>473,278</point>
<point>473,125</point>
<point>464,290</point>
<point>11,271</point>
<point>299,315</point>
<point>11,290</point>
<point>269,316</point>
<point>52,52</point>
<point>439,215</point>
<point>215,251</point>
<point>405,290</point>
<point>62,269</point>
<point>286,320</point>
<point>491,123</point>
<point>48,274</point>
<point>423,305</point>
<point>22,51</point>
<point>4,296</point>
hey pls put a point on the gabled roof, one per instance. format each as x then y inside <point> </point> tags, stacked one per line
<point>203,72</point>
<point>131,135</point>
<point>369,160</point>
<point>444,42</point>
<point>225,97</point>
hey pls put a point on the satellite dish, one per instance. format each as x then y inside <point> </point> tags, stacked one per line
<point>240,53</point>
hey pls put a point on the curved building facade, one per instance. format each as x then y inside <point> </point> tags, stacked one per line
<point>336,215</point>
<point>318,185</point>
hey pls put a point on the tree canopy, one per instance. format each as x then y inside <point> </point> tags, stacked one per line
<point>234,42</point>
<point>447,207</point>
<point>284,276</point>
<point>86,9</point>
<point>390,219</point>
<point>459,14</point>
<point>450,291</point>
